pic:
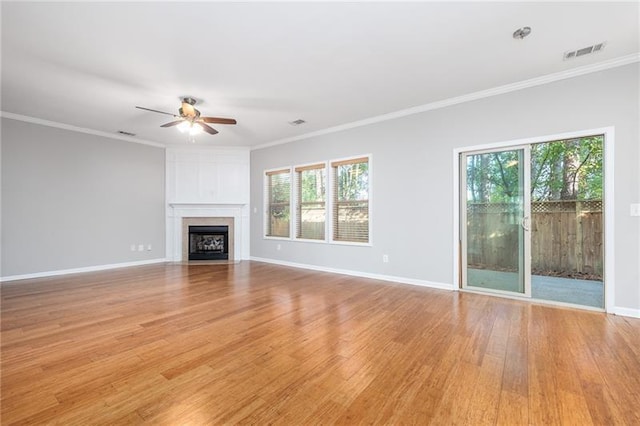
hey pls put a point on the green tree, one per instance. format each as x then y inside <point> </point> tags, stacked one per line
<point>560,170</point>
<point>493,177</point>
<point>353,182</point>
<point>567,170</point>
<point>313,185</point>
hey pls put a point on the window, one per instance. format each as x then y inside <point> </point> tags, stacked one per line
<point>311,201</point>
<point>351,200</point>
<point>314,201</point>
<point>278,188</point>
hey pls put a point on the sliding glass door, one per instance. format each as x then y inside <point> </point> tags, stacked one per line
<point>495,243</point>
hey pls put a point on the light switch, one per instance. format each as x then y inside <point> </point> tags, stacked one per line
<point>635,209</point>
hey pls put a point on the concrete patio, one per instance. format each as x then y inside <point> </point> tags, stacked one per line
<point>567,290</point>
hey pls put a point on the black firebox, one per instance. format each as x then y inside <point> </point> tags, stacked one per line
<point>208,242</point>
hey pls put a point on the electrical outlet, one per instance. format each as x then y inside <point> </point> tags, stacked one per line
<point>635,209</point>
<point>279,247</point>
<point>385,258</point>
<point>133,247</point>
<point>255,210</point>
<point>141,247</point>
<point>149,247</point>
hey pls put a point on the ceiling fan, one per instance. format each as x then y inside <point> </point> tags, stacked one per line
<point>189,119</point>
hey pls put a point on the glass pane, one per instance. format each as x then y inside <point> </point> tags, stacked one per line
<point>279,220</point>
<point>352,222</point>
<point>312,220</point>
<point>495,208</point>
<point>351,205</point>
<point>353,182</point>
<point>311,204</point>
<point>279,208</point>
<point>280,189</point>
<point>567,241</point>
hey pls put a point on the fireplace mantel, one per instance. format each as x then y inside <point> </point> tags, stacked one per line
<point>176,211</point>
<point>196,205</point>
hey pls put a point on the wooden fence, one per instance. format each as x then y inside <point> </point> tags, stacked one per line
<point>566,237</point>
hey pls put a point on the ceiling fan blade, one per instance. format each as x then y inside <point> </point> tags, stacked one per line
<point>155,110</point>
<point>207,128</point>
<point>218,120</point>
<point>173,123</point>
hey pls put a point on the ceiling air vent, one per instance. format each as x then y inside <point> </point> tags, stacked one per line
<point>297,122</point>
<point>122,132</point>
<point>584,51</point>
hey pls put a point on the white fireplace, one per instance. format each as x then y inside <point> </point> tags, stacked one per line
<point>210,184</point>
<point>180,215</point>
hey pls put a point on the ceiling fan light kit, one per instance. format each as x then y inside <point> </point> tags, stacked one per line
<point>189,119</point>
<point>192,128</point>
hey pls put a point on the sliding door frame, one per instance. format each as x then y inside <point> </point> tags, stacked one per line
<point>608,172</point>
<point>525,245</point>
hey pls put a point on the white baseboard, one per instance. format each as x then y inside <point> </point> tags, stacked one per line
<point>361,274</point>
<point>78,270</point>
<point>626,312</point>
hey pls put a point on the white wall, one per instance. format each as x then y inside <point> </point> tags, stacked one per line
<point>72,200</point>
<point>411,158</point>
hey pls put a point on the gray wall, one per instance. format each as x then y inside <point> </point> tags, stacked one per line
<point>72,200</point>
<point>412,165</point>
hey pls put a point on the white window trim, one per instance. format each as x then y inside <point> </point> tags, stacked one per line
<point>370,202</point>
<point>265,216</point>
<point>328,203</point>
<point>294,203</point>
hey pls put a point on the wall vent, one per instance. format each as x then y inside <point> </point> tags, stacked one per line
<point>297,122</point>
<point>584,51</point>
<point>122,132</point>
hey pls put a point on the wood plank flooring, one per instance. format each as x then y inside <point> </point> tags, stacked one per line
<point>253,343</point>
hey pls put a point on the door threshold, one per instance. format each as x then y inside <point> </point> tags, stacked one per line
<point>532,300</point>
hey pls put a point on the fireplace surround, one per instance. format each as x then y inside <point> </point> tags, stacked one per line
<point>207,232</point>
<point>205,214</point>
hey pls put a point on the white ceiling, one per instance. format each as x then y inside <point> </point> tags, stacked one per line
<point>265,64</point>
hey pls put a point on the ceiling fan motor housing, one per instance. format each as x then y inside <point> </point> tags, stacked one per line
<point>194,115</point>
<point>187,109</point>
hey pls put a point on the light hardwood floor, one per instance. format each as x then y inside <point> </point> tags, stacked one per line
<point>255,343</point>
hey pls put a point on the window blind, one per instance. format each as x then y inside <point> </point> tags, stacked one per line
<point>311,201</point>
<point>351,200</point>
<point>278,196</point>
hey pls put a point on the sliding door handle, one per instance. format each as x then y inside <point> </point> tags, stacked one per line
<point>525,223</point>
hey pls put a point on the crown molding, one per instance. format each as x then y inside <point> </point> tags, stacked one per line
<point>72,128</point>
<point>205,147</point>
<point>500,90</point>
<point>538,81</point>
